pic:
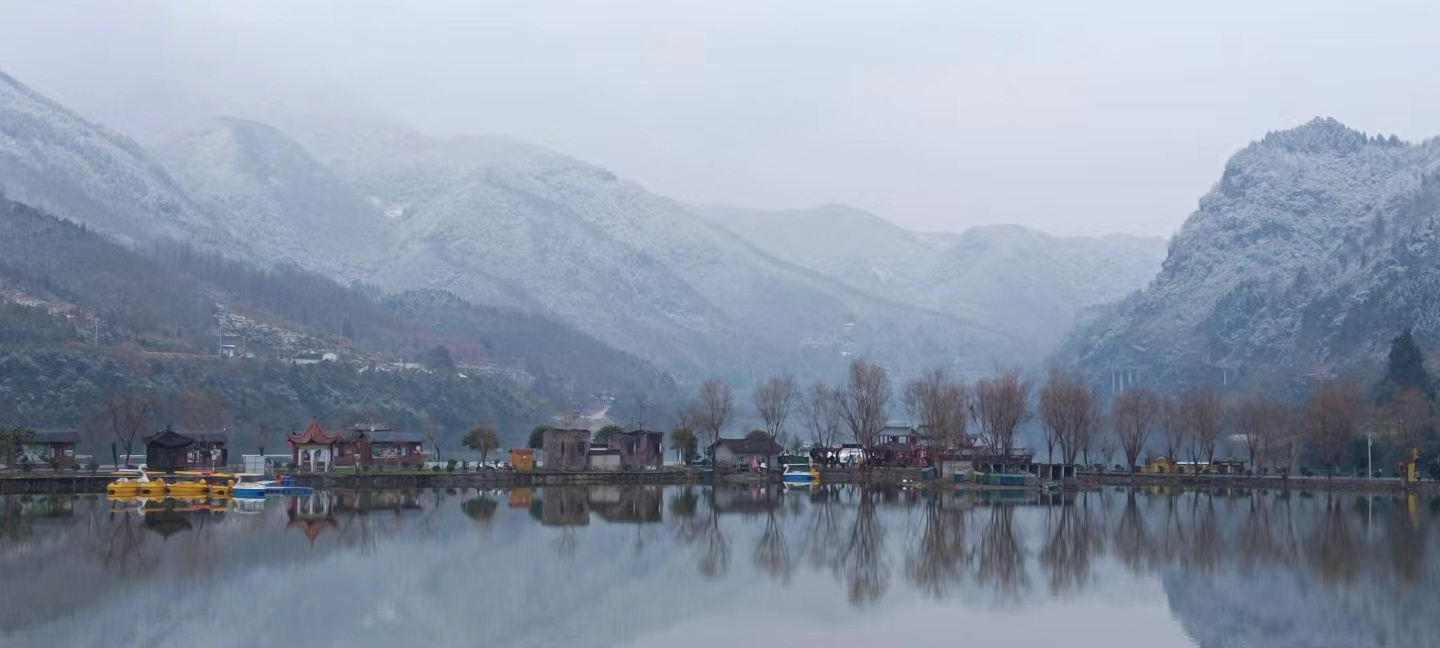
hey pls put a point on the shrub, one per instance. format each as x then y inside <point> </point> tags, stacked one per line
<point>435,468</point>
<point>450,466</point>
<point>92,467</point>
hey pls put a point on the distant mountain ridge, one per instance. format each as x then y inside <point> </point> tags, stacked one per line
<point>54,159</point>
<point>1317,245</point>
<point>509,224</point>
<point>1004,276</point>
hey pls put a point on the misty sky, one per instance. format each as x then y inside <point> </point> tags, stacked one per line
<point>1072,117</point>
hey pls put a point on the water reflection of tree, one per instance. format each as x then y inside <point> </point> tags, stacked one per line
<point>1332,549</point>
<point>1001,555</point>
<point>862,558</point>
<point>1405,541</point>
<point>1258,543</point>
<point>942,554</point>
<point>715,559</point>
<point>1205,547</point>
<point>822,532</point>
<point>1072,538</point>
<point>1133,542</point>
<point>480,508</point>
<point>772,554</point>
<point>120,543</point>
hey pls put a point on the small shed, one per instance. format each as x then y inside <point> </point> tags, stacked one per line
<point>567,449</point>
<point>168,450</point>
<point>522,459</point>
<point>745,452</point>
<point>51,448</point>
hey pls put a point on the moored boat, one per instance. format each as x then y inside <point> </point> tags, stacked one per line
<point>799,470</point>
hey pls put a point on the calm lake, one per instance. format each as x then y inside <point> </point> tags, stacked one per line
<point>654,567</point>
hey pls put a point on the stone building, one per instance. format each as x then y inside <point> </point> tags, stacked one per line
<point>567,449</point>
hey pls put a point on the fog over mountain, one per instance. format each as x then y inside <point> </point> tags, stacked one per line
<point>1008,277</point>
<point>501,222</point>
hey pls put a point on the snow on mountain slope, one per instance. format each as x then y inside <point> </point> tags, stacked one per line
<point>637,270</point>
<point>54,159</point>
<point>278,198</point>
<point>1006,277</point>
<point>1281,263</point>
<point>852,246</point>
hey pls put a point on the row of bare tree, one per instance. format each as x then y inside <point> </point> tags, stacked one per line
<point>1194,425</point>
<point>941,404</point>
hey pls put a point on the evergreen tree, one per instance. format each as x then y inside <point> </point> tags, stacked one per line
<point>1405,370</point>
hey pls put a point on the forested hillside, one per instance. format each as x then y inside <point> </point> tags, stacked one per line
<point>162,311</point>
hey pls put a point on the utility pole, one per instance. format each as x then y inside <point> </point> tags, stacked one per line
<point>1369,468</point>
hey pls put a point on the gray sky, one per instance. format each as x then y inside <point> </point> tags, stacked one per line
<point>1072,117</point>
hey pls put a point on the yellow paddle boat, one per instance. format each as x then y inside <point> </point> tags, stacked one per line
<point>132,483</point>
<point>195,483</point>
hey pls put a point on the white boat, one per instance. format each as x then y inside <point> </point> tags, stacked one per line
<point>799,470</point>
<point>249,487</point>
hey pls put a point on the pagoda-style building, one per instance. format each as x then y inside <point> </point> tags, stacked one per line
<point>168,451</point>
<point>313,449</point>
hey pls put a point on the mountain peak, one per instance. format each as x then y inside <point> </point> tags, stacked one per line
<point>1319,135</point>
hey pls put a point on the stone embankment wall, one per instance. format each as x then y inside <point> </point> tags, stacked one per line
<point>37,482</point>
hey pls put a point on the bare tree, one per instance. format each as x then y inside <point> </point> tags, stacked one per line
<point>1202,416</point>
<point>1172,426</point>
<point>774,399</point>
<point>1071,414</point>
<point>714,409</point>
<point>1259,422</point>
<point>1333,418</point>
<point>863,401</point>
<point>433,432</point>
<point>821,411</point>
<point>939,404</point>
<point>196,409</point>
<point>1133,416</point>
<point>1002,406</point>
<point>1052,411</point>
<point>130,417</point>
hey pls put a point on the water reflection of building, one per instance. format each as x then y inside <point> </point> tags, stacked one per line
<point>522,497</point>
<point>627,504</point>
<point>363,502</point>
<point>565,507</point>
<point>312,514</point>
<point>170,516</point>
<point>746,501</point>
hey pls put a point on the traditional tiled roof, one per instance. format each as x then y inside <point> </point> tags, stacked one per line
<point>169,438</point>
<point>314,435</point>
<point>752,446</point>
<point>57,436</point>
<point>394,436</point>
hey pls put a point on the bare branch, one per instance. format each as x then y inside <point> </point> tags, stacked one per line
<point>1134,414</point>
<point>1002,406</point>
<point>863,402</point>
<point>774,399</point>
<point>821,411</point>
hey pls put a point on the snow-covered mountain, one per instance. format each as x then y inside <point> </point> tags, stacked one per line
<point>276,197</point>
<point>505,223</point>
<point>54,159</point>
<point>502,221</point>
<point>1315,248</point>
<point>1007,277</point>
